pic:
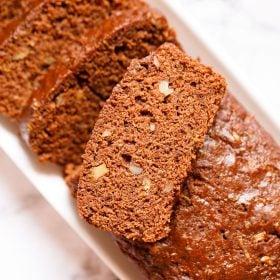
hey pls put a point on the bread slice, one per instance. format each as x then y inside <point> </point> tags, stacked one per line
<point>64,112</point>
<point>50,33</point>
<point>226,223</point>
<point>12,12</point>
<point>144,142</point>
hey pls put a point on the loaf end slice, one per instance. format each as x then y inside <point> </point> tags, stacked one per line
<point>144,142</point>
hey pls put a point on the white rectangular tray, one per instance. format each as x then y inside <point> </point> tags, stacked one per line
<point>48,180</point>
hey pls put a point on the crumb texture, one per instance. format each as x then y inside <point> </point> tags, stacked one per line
<point>226,224</point>
<point>12,12</point>
<point>62,118</point>
<point>53,31</point>
<point>144,142</point>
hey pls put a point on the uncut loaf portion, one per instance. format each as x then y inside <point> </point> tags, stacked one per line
<point>144,142</point>
<point>12,12</point>
<point>64,112</point>
<point>53,31</point>
<point>226,225</point>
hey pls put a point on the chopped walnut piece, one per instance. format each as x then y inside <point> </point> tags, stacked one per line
<point>156,61</point>
<point>60,100</point>
<point>236,137</point>
<point>260,236</point>
<point>147,183</point>
<point>21,55</point>
<point>196,139</point>
<point>80,95</point>
<point>233,197</point>
<point>164,88</point>
<point>241,243</point>
<point>135,169</point>
<point>106,133</point>
<point>152,126</point>
<point>168,188</point>
<point>267,260</point>
<point>99,171</point>
<point>247,224</point>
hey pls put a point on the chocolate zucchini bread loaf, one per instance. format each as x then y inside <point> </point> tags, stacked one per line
<point>52,31</point>
<point>64,112</point>
<point>226,224</point>
<point>144,141</point>
<point>12,12</point>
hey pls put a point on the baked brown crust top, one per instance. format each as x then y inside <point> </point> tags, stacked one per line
<point>226,225</point>
<point>144,142</point>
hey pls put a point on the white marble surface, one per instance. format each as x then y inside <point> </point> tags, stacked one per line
<point>36,243</point>
<point>249,32</point>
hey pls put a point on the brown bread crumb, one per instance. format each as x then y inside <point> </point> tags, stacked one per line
<point>145,168</point>
<point>61,119</point>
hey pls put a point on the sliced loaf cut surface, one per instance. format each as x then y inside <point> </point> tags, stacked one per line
<point>51,32</point>
<point>144,142</point>
<point>12,12</point>
<point>63,114</point>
